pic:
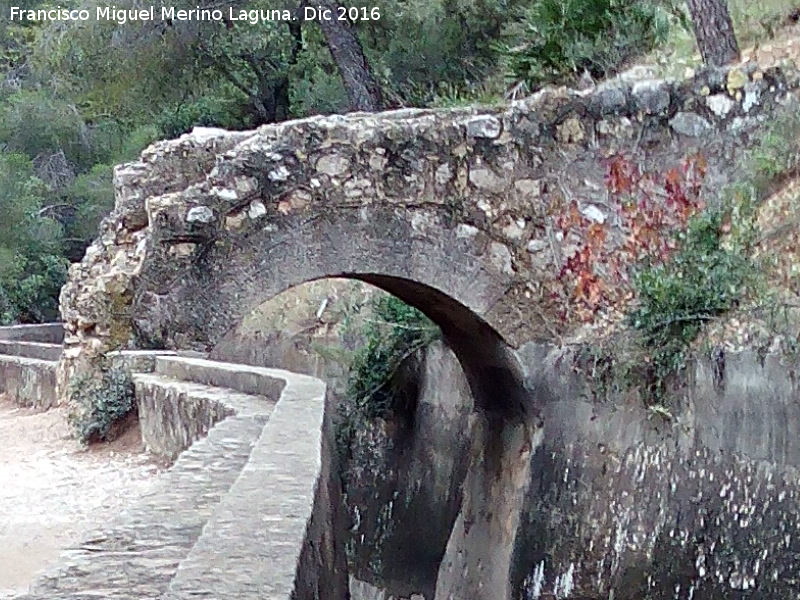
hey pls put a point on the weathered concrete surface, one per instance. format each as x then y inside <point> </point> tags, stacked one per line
<point>184,398</point>
<point>403,480</point>
<point>362,590</point>
<point>623,502</point>
<point>174,414</point>
<point>479,553</point>
<point>446,209</point>
<point>246,379</point>
<point>47,333</point>
<point>436,492</point>
<point>322,570</point>
<point>700,506</point>
<point>611,500</point>
<point>28,381</point>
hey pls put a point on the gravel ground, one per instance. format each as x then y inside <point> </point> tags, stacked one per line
<point>51,489</point>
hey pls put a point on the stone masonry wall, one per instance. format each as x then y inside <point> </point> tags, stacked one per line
<point>450,210</point>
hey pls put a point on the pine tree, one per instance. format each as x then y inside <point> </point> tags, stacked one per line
<point>713,29</point>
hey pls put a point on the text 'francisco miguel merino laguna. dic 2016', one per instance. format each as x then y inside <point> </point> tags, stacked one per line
<point>170,13</point>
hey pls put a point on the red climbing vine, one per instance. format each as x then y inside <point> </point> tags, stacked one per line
<point>644,211</point>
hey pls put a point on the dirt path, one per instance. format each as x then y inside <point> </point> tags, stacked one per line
<point>51,490</point>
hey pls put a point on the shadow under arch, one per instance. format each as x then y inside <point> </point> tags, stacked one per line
<point>493,373</point>
<point>495,384</point>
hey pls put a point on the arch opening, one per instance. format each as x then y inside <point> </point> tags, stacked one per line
<point>422,440</point>
<point>490,366</point>
<point>491,369</point>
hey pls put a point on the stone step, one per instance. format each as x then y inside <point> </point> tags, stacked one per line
<point>257,381</point>
<point>173,414</point>
<point>39,350</point>
<point>250,546</point>
<point>28,381</point>
<point>135,556</point>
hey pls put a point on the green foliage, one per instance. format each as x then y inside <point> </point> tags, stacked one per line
<point>421,47</point>
<point>703,280</point>
<point>396,331</point>
<point>754,22</point>
<point>713,271</point>
<point>99,402</point>
<point>92,195</point>
<point>758,21</point>
<point>559,39</point>
<point>393,332</point>
<point>316,88</point>
<point>32,269</point>
<point>208,112</point>
<point>776,155</point>
<point>29,289</point>
<point>35,122</point>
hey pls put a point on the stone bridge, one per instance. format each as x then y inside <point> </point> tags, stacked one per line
<point>451,211</point>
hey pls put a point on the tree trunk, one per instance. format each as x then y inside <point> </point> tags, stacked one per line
<point>713,29</point>
<point>362,88</point>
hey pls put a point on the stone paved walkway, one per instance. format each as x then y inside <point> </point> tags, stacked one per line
<point>51,490</point>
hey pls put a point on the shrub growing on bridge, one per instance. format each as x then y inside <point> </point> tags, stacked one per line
<point>699,271</point>
<point>703,280</point>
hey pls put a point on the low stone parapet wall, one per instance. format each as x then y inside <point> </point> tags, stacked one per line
<point>28,381</point>
<point>29,356</point>
<point>179,399</point>
<point>48,333</point>
<point>279,531</point>
<point>40,350</point>
<point>251,507</point>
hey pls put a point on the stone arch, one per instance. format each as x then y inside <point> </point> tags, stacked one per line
<point>436,268</point>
